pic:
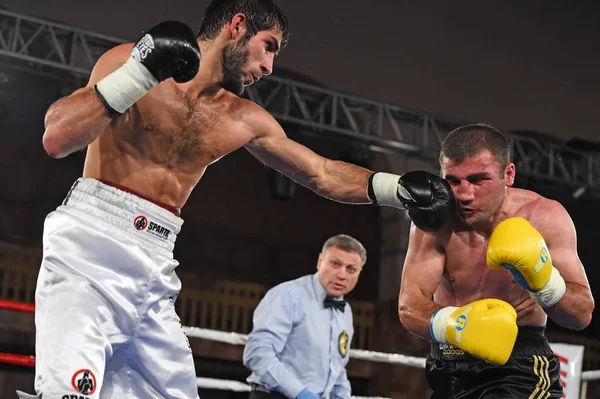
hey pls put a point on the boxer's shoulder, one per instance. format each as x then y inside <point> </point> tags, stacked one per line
<point>535,208</point>
<point>248,111</point>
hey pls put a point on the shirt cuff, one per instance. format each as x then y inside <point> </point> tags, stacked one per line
<point>291,388</point>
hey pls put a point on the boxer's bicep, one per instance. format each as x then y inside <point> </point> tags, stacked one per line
<point>558,230</point>
<point>423,266</point>
<point>273,148</point>
<point>336,180</point>
<point>574,309</point>
<point>421,275</point>
<point>289,158</point>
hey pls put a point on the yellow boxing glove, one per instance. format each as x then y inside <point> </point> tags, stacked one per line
<point>518,247</point>
<point>486,329</point>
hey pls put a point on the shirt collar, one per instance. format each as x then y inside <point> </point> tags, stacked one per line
<point>319,290</point>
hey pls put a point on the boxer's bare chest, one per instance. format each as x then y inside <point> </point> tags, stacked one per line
<point>173,130</point>
<point>467,277</point>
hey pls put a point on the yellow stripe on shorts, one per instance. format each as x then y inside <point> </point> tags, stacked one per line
<point>540,368</point>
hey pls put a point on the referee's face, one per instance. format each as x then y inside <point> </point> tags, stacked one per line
<point>338,270</point>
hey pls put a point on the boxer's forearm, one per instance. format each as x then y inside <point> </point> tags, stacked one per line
<point>574,310</point>
<point>415,315</point>
<point>74,122</point>
<point>343,182</point>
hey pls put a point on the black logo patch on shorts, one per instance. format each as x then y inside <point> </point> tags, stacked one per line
<point>84,381</point>
<point>140,223</point>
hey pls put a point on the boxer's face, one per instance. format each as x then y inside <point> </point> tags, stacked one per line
<point>262,50</point>
<point>248,59</point>
<point>338,270</point>
<point>479,184</point>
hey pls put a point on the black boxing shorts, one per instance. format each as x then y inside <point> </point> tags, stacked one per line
<point>531,372</point>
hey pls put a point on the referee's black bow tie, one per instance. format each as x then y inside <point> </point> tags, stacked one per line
<point>331,302</point>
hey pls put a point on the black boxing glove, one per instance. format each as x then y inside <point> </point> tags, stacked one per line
<point>427,197</point>
<point>168,50</point>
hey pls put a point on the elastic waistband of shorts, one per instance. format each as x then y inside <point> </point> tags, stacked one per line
<point>530,341</point>
<point>146,220</point>
<point>175,211</point>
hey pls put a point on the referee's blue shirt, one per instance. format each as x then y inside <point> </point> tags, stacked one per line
<point>297,343</point>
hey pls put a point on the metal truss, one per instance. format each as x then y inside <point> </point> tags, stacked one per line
<point>538,158</point>
<point>382,127</point>
<point>376,126</point>
<point>51,44</point>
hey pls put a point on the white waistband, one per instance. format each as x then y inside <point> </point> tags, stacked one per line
<point>147,221</point>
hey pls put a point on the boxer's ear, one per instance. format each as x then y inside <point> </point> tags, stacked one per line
<point>509,174</point>
<point>237,26</point>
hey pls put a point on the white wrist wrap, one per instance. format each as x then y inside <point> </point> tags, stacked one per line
<point>552,292</point>
<point>385,187</point>
<point>438,322</point>
<point>122,88</point>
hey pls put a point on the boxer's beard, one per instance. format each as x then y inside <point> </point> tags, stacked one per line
<point>234,59</point>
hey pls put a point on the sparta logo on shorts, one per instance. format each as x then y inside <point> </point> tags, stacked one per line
<point>158,230</point>
<point>140,223</point>
<point>84,382</point>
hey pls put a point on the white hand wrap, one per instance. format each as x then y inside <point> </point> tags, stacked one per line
<point>552,292</point>
<point>122,88</point>
<point>386,189</point>
<point>438,322</point>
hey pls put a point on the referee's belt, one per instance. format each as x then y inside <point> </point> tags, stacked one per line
<point>260,388</point>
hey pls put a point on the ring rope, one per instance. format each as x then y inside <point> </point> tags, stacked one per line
<point>240,339</point>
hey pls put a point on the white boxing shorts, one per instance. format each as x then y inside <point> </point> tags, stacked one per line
<point>105,319</point>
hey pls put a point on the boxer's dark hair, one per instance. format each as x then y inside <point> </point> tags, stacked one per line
<point>469,140</point>
<point>260,15</point>
<point>346,243</point>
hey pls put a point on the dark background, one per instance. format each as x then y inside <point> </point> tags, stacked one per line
<point>511,63</point>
